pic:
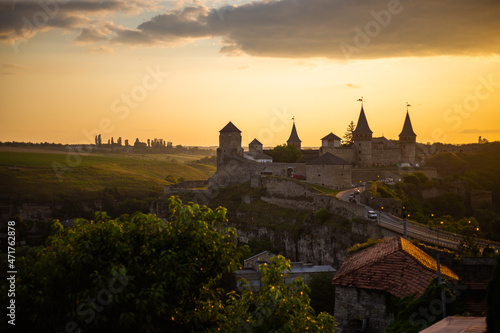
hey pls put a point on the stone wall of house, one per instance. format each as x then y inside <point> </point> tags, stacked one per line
<point>386,156</point>
<point>237,170</point>
<point>333,176</point>
<point>353,306</point>
<point>342,152</point>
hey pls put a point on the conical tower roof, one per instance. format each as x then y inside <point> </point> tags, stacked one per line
<point>230,128</point>
<point>293,136</point>
<point>407,128</point>
<point>362,125</point>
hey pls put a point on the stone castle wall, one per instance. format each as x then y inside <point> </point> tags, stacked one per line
<point>352,306</point>
<point>382,157</point>
<point>333,176</point>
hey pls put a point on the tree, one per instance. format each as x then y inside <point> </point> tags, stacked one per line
<point>277,307</point>
<point>348,137</point>
<point>140,274</point>
<point>285,153</point>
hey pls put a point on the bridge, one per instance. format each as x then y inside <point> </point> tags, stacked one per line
<point>420,231</point>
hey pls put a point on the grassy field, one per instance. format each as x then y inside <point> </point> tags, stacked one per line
<point>44,176</point>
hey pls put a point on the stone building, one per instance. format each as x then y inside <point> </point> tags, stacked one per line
<point>367,151</point>
<point>229,143</point>
<point>256,152</point>
<point>234,166</point>
<point>330,171</point>
<point>394,267</point>
<point>250,270</point>
<point>294,140</point>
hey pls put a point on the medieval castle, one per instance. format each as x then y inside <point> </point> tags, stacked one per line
<point>331,165</point>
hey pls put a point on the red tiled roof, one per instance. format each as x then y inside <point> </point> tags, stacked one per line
<point>395,266</point>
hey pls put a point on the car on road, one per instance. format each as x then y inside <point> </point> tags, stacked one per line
<point>372,215</point>
<point>297,176</point>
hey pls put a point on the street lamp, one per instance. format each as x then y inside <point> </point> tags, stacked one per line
<point>439,228</point>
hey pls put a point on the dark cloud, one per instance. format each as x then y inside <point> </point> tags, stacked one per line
<point>22,19</point>
<point>335,29</point>
<point>338,29</point>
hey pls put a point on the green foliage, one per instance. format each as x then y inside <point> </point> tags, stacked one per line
<point>347,140</point>
<point>277,307</point>
<point>132,274</point>
<point>412,315</point>
<point>322,292</point>
<point>171,179</point>
<point>322,215</point>
<point>259,245</point>
<point>493,292</point>
<point>467,246</point>
<point>360,246</point>
<point>47,177</point>
<point>385,191</point>
<point>285,153</point>
<point>210,160</point>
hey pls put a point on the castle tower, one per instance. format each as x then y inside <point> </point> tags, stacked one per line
<point>407,140</point>
<point>255,146</point>
<point>294,140</point>
<point>229,143</point>
<point>362,137</point>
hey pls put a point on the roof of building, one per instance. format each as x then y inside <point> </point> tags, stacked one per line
<point>255,142</point>
<point>388,144</point>
<point>309,155</point>
<point>269,253</point>
<point>331,136</point>
<point>293,136</point>
<point>395,266</point>
<point>362,125</point>
<point>328,159</point>
<point>230,128</point>
<point>258,156</point>
<point>407,128</point>
<point>458,325</point>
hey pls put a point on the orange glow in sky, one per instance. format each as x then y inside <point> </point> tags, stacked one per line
<point>181,70</point>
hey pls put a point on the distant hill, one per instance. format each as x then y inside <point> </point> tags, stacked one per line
<point>53,178</point>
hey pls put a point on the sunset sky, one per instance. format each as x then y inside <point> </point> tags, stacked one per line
<point>180,70</point>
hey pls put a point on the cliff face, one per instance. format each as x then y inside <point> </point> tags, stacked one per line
<point>308,241</point>
<point>315,236</point>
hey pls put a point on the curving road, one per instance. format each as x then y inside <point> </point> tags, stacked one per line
<point>414,229</point>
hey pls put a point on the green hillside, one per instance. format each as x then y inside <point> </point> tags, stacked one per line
<point>45,177</point>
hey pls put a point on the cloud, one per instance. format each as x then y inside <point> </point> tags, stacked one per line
<point>356,29</point>
<point>11,66</point>
<point>334,29</point>
<point>10,69</point>
<point>22,19</point>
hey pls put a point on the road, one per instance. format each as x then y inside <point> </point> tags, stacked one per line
<point>414,229</point>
